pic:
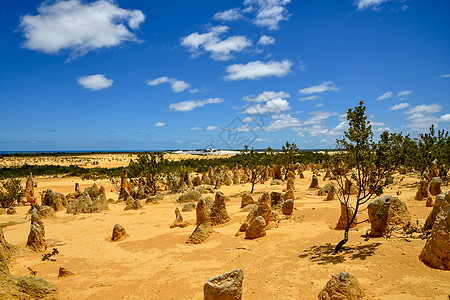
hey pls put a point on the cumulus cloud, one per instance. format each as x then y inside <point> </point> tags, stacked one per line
<point>95,82</point>
<point>211,42</point>
<point>177,85</point>
<point>209,128</point>
<point>323,87</point>
<point>160,124</point>
<point>309,98</point>
<point>257,69</point>
<point>422,116</point>
<point>283,121</point>
<point>445,118</point>
<point>228,15</point>
<point>79,28</point>
<point>400,106</point>
<point>277,105</point>
<point>185,106</point>
<point>364,4</point>
<point>266,96</point>
<point>266,40</point>
<point>268,13</point>
<point>385,96</point>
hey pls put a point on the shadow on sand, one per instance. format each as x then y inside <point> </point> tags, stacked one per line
<point>324,254</point>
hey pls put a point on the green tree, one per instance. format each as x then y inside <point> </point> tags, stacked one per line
<point>150,167</point>
<point>256,162</point>
<point>11,190</point>
<point>288,155</point>
<point>367,161</point>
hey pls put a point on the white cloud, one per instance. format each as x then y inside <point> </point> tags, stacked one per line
<point>363,4</point>
<point>309,98</point>
<point>257,69</point>
<point>210,42</point>
<point>160,124</point>
<point>445,118</point>
<point>283,121</point>
<point>385,96</point>
<point>228,15</point>
<point>422,116</point>
<point>266,96</point>
<point>177,85</point>
<point>209,128</point>
<point>323,87</point>
<point>185,106</point>
<point>445,76</point>
<point>79,28</point>
<point>266,40</point>
<point>195,128</point>
<point>268,13</point>
<point>404,93</point>
<point>95,82</point>
<point>277,105</point>
<point>400,106</point>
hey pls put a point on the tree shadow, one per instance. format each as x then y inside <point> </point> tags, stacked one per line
<point>324,254</point>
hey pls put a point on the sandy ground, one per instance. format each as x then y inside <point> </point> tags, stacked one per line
<point>293,261</point>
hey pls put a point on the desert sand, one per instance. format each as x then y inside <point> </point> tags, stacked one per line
<point>293,261</point>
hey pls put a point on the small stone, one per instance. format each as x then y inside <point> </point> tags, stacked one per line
<point>227,286</point>
<point>256,229</point>
<point>118,233</point>
<point>342,286</point>
<point>288,207</point>
<point>63,272</point>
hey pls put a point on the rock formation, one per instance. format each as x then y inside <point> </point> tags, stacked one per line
<point>227,286</point>
<point>346,215</point>
<point>289,195</point>
<point>118,233</point>
<point>435,186</point>
<point>441,205</point>
<point>188,207</point>
<point>385,212</point>
<point>288,207</point>
<point>277,172</point>
<point>342,286</point>
<point>436,252</point>
<point>196,181</point>
<point>290,185</point>
<point>63,272</point>
<point>219,214</point>
<point>134,206</point>
<point>263,208</point>
<point>36,237</point>
<point>276,201</point>
<point>314,183</point>
<point>203,229</point>
<point>57,201</point>
<point>179,222</point>
<point>422,192</point>
<point>26,287</point>
<point>246,200</point>
<point>227,180</point>
<point>92,200</point>
<point>256,229</point>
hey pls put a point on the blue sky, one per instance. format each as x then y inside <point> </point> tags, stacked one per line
<point>156,75</point>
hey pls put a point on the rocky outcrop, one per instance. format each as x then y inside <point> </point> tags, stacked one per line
<point>189,196</point>
<point>422,192</point>
<point>256,229</point>
<point>435,186</point>
<point>329,187</point>
<point>288,207</point>
<point>314,183</point>
<point>36,237</point>
<point>441,204</point>
<point>385,212</point>
<point>227,286</point>
<point>57,201</point>
<point>246,200</point>
<point>118,233</point>
<point>219,214</point>
<point>345,218</point>
<point>290,185</point>
<point>188,207</point>
<point>179,222</point>
<point>135,205</point>
<point>92,200</point>
<point>203,229</point>
<point>277,172</point>
<point>262,208</point>
<point>436,252</point>
<point>342,286</point>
